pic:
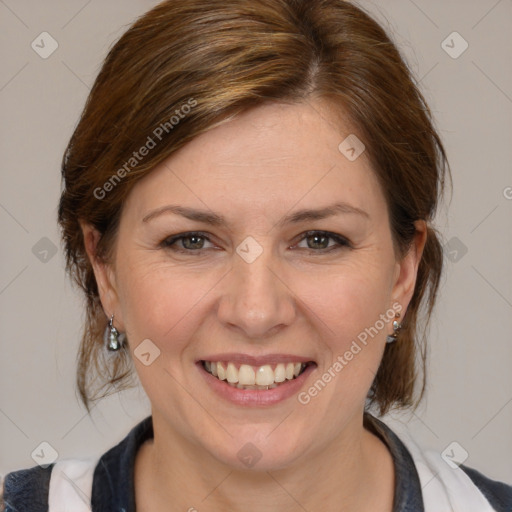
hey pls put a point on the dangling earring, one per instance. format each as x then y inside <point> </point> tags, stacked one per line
<point>112,337</point>
<point>396,328</point>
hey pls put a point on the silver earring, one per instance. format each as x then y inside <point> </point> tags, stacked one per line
<point>113,338</point>
<point>396,328</point>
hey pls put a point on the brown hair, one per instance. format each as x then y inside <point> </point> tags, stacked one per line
<point>219,58</point>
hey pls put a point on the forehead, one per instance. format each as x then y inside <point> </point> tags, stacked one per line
<point>268,158</point>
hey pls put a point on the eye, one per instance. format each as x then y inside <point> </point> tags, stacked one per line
<point>318,241</point>
<point>188,242</point>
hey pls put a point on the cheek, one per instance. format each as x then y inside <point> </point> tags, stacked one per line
<point>162,303</point>
<point>347,301</point>
<point>346,309</point>
<point>348,306</point>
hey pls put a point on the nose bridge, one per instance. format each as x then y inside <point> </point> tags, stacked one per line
<point>256,299</point>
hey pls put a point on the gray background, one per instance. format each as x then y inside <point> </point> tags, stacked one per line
<point>469,398</point>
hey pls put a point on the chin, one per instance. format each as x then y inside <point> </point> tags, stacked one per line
<point>258,452</point>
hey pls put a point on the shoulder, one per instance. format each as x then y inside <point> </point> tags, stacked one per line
<point>451,482</point>
<point>498,494</point>
<point>424,475</point>
<point>27,489</point>
<point>93,481</point>
<point>464,484</point>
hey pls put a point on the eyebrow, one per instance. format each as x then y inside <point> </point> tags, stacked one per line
<point>215,219</point>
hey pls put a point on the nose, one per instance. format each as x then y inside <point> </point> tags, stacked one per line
<point>257,299</point>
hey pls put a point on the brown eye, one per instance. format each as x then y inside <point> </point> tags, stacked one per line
<point>185,242</point>
<point>318,241</point>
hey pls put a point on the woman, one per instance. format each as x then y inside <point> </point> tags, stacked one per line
<point>247,206</point>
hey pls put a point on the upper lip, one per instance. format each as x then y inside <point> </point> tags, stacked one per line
<point>257,360</point>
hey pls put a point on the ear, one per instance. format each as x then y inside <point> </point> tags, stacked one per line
<point>406,270</point>
<point>104,274</point>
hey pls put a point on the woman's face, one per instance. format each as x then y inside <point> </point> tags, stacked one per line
<point>286,257</point>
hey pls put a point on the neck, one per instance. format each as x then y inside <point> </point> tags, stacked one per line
<point>170,469</point>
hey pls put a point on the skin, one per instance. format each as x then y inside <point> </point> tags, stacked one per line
<point>295,298</point>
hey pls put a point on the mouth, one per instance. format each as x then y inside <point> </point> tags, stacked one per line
<point>251,377</point>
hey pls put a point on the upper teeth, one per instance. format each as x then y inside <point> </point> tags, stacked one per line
<point>248,375</point>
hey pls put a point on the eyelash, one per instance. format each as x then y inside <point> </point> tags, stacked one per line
<point>169,243</point>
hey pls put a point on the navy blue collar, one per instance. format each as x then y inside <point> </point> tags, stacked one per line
<point>408,495</point>
<point>113,482</point>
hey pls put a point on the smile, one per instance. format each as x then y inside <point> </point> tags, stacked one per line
<point>244,376</point>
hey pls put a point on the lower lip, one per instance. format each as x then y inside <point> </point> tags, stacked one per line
<point>255,397</point>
